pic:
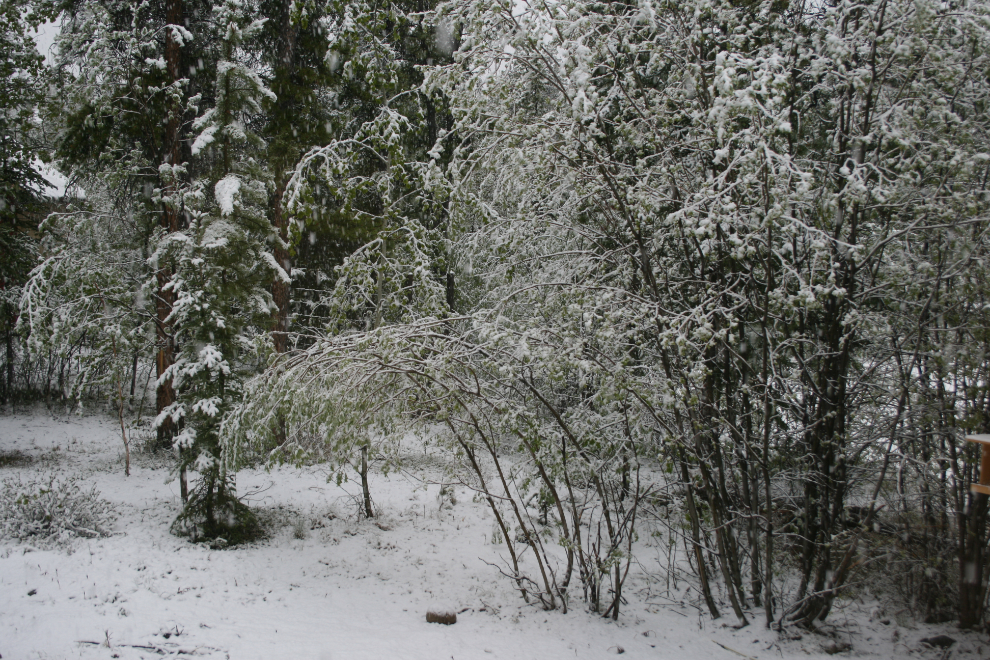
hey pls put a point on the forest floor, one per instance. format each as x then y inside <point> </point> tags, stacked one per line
<point>329,585</point>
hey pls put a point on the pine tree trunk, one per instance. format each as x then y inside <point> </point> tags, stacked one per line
<point>134,370</point>
<point>279,219</point>
<point>280,289</point>
<point>9,385</point>
<point>165,298</point>
<point>765,459</point>
<point>972,561</point>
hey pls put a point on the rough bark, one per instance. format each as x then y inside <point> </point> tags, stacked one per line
<point>165,298</point>
<point>279,219</point>
<point>280,289</point>
<point>8,391</point>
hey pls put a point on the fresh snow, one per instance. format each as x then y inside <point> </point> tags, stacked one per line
<point>225,191</point>
<point>350,588</point>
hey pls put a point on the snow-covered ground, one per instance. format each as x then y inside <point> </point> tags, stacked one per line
<point>329,585</point>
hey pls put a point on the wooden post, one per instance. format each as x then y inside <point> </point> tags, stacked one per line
<point>984,485</point>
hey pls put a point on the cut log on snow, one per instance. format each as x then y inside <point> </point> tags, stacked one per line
<point>446,617</point>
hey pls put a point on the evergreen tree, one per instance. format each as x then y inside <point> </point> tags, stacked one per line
<point>128,78</point>
<point>376,171</point>
<point>223,267</point>
<point>20,183</point>
<point>293,47</point>
<point>371,201</point>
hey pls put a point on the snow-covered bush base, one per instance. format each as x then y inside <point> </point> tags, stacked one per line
<point>217,517</point>
<point>52,512</point>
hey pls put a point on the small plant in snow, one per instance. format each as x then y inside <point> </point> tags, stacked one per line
<point>52,513</point>
<point>300,529</point>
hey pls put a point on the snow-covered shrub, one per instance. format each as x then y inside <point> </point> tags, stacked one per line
<point>52,512</point>
<point>216,515</point>
<point>707,248</point>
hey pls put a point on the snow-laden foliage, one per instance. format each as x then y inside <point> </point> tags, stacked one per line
<point>112,92</point>
<point>375,176</point>
<point>169,252</point>
<point>222,268</point>
<point>747,188</point>
<point>239,89</point>
<point>20,93</point>
<point>397,276</point>
<point>389,280</point>
<point>703,236</point>
<point>723,256</point>
<point>112,113</point>
<point>481,398</point>
<point>377,173</point>
<point>85,305</point>
<point>52,512</point>
<point>85,300</point>
<point>21,186</point>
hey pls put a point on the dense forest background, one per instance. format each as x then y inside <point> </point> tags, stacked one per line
<point>716,269</point>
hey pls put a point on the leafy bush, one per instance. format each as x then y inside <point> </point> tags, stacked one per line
<point>52,512</point>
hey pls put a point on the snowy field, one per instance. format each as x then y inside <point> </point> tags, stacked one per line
<point>327,585</point>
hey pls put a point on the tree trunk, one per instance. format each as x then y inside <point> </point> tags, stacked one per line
<point>165,298</point>
<point>280,288</point>
<point>183,485</point>
<point>284,88</point>
<point>364,483</point>
<point>972,561</point>
<point>696,539</point>
<point>9,385</point>
<point>134,370</point>
<point>123,429</point>
<point>765,458</point>
<point>281,294</point>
